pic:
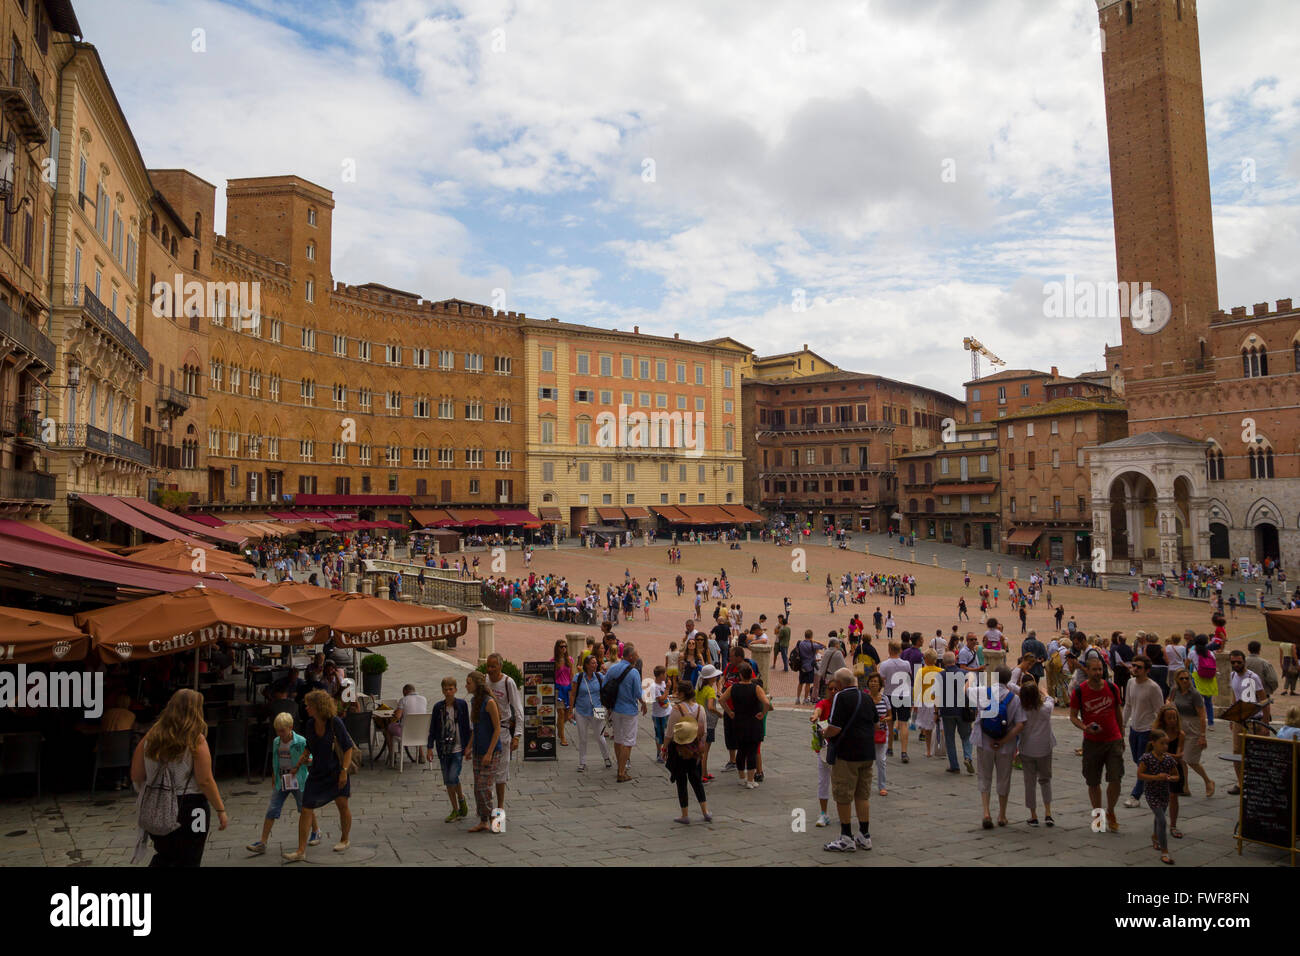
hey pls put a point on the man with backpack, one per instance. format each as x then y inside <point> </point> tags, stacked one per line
<point>621,696</point>
<point>804,660</point>
<point>994,734</point>
<point>1095,709</point>
<point>851,750</point>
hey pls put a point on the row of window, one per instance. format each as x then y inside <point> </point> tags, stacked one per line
<point>1080,506</point>
<point>630,472</point>
<point>252,446</point>
<point>946,500</point>
<point>781,486</point>
<point>630,499</point>
<point>640,368</point>
<point>659,434</point>
<point>1031,461</point>
<point>587,396</point>
<point>780,418</point>
<point>1260,460</point>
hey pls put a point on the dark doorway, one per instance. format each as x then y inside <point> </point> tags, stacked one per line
<point>1266,542</point>
<point>1219,541</point>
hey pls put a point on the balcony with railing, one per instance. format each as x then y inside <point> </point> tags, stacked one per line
<point>101,442</point>
<point>21,420</point>
<point>105,320</point>
<point>26,485</point>
<point>26,336</point>
<point>828,471</point>
<point>172,401</point>
<point>20,95</point>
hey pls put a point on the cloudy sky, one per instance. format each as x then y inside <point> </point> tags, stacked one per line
<point>907,171</point>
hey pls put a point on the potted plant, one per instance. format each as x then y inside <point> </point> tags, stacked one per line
<point>372,673</point>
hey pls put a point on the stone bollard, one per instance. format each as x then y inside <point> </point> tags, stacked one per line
<point>935,560</point>
<point>761,654</point>
<point>437,551</point>
<point>555,542</point>
<point>988,568</point>
<point>486,638</point>
<point>350,582</point>
<point>866,548</point>
<point>1223,696</point>
<point>577,644</point>
<point>1259,598</point>
<point>891,552</point>
<point>368,587</point>
<point>1015,573</point>
<point>407,599</point>
<point>382,593</point>
<point>749,536</point>
<point>912,556</point>
<point>963,565</point>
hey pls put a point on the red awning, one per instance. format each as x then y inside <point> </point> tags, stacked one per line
<point>50,560</point>
<point>610,514</point>
<point>516,516</point>
<point>550,514</point>
<point>212,521</point>
<point>635,511</point>
<point>283,515</point>
<point>182,523</point>
<point>741,513</point>
<point>670,514</point>
<point>1025,536</point>
<point>35,532</point>
<point>118,508</point>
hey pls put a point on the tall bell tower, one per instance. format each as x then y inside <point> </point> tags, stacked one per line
<point>1160,184</point>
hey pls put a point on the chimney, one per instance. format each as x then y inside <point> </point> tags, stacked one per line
<point>636,330</point>
<point>805,346</point>
<point>677,335</point>
<point>1055,373</point>
<point>1261,308</point>
<point>1284,305</point>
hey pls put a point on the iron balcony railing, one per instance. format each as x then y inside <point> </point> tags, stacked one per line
<point>97,440</point>
<point>130,450</point>
<point>99,314</point>
<point>799,428</point>
<point>169,395</point>
<point>26,485</point>
<point>21,419</point>
<point>27,336</point>
<point>20,91</point>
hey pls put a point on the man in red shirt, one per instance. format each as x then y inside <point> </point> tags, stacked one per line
<point>1096,710</point>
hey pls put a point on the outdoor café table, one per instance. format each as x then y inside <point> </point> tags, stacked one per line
<point>382,719</point>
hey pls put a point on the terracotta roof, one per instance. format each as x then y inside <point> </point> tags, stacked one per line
<point>1065,406</point>
<point>1009,374</point>
<point>821,378</point>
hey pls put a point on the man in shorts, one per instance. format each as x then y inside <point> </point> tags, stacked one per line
<point>851,731</point>
<point>510,704</point>
<point>1095,709</point>
<point>624,717</point>
<point>897,675</point>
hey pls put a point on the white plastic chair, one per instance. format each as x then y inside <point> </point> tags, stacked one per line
<point>415,733</point>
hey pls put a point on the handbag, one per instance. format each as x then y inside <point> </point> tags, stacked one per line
<point>355,764</point>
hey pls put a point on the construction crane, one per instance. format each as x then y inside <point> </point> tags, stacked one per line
<point>976,349</point>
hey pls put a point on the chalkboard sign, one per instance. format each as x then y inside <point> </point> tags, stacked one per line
<point>1268,798</point>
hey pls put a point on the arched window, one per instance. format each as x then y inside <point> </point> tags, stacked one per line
<point>911,505</point>
<point>196,260</point>
<point>174,246</point>
<point>1254,361</point>
<point>911,476</point>
<point>1128,12</point>
<point>1214,464</point>
<point>198,225</point>
<point>1295,354</point>
<point>153,224</point>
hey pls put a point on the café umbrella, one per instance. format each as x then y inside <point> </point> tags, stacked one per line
<point>359,620</point>
<point>188,620</point>
<point>178,556</point>
<point>1283,626</point>
<point>292,593</point>
<point>36,637</point>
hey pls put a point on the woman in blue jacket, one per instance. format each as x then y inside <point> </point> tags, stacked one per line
<point>449,733</point>
<point>288,748</point>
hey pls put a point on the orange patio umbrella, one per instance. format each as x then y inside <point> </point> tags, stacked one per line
<point>359,620</point>
<point>178,556</point>
<point>188,620</point>
<point>293,593</point>
<point>1283,626</point>
<point>35,637</point>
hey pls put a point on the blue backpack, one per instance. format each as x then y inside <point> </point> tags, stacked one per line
<point>995,728</point>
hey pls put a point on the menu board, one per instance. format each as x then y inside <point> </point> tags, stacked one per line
<point>1268,794</point>
<point>540,710</point>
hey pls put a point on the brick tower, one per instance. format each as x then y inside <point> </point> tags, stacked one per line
<point>1160,183</point>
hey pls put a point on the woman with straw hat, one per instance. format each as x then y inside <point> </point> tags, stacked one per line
<point>686,729</point>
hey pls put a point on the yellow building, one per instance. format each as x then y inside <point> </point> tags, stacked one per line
<point>29,75</point>
<point>101,200</point>
<point>621,424</point>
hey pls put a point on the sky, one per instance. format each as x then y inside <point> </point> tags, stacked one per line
<point>874,178</point>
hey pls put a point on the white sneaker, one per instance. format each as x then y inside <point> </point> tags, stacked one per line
<point>863,842</point>
<point>1132,802</point>
<point>842,845</point>
<point>823,820</point>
